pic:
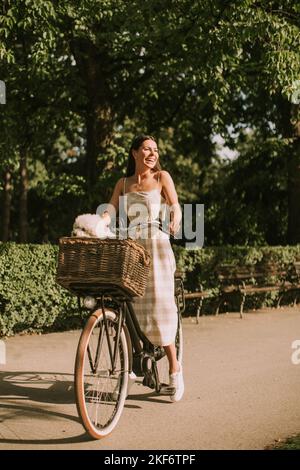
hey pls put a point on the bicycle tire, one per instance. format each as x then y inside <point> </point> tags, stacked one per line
<point>100,396</point>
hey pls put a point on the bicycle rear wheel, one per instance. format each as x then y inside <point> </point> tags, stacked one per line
<point>101,389</point>
<point>163,363</point>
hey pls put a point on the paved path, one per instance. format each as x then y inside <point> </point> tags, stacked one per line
<point>242,390</point>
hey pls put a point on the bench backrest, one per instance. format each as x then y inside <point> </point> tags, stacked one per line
<point>230,273</point>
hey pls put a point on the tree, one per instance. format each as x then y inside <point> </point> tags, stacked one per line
<point>183,70</point>
<point>33,117</point>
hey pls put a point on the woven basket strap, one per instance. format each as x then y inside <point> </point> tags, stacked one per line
<point>145,255</point>
<point>146,258</point>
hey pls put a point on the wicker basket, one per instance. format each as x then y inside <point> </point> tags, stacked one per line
<point>88,264</point>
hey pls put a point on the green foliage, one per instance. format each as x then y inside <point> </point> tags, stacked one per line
<point>30,299</point>
<point>181,70</point>
<point>291,443</point>
<point>246,199</point>
<point>200,267</point>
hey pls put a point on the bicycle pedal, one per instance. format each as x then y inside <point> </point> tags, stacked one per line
<point>165,389</point>
<point>148,381</point>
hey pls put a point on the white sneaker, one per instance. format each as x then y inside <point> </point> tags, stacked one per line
<point>176,381</point>
<point>131,380</point>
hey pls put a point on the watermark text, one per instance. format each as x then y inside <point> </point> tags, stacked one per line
<point>2,352</point>
<point>2,92</point>
<point>140,220</point>
<point>295,357</point>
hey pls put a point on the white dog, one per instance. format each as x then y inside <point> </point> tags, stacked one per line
<point>91,225</point>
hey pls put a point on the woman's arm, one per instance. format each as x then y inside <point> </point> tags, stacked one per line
<point>113,203</point>
<point>172,200</point>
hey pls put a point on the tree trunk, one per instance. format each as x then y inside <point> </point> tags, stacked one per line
<point>93,66</point>
<point>23,206</point>
<point>7,197</point>
<point>290,128</point>
<point>98,132</point>
<point>294,182</point>
<point>45,226</point>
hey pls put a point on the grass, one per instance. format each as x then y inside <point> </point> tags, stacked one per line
<point>291,443</point>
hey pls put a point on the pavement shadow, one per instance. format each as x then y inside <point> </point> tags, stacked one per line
<point>38,387</point>
<point>51,388</point>
<point>42,414</point>
<point>43,387</point>
<point>150,397</point>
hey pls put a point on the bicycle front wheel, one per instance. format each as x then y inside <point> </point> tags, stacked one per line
<point>101,374</point>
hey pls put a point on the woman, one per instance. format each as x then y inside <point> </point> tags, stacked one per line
<point>142,188</point>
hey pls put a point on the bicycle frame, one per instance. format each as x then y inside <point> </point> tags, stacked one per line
<point>111,352</point>
<point>140,347</point>
<point>142,353</point>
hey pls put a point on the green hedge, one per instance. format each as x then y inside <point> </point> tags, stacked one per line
<point>200,267</point>
<point>30,300</point>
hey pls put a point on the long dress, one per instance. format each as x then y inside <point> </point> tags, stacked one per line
<point>156,310</point>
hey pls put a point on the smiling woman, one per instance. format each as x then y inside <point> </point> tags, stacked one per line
<point>141,192</point>
<point>143,154</point>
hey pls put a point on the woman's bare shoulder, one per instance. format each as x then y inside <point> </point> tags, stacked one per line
<point>165,176</point>
<point>121,181</point>
<point>119,185</point>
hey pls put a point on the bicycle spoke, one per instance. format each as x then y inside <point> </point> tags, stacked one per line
<point>102,377</point>
<point>100,341</point>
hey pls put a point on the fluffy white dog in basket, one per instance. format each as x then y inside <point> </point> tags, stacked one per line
<point>91,226</point>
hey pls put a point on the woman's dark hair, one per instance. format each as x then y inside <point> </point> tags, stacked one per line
<point>135,145</point>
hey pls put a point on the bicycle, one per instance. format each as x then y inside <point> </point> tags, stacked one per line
<point>111,349</point>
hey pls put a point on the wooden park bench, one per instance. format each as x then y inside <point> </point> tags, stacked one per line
<point>293,284</point>
<point>244,280</point>
<point>183,296</point>
<point>197,299</point>
<point>179,290</point>
<point>247,280</point>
